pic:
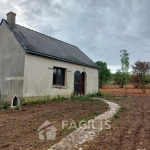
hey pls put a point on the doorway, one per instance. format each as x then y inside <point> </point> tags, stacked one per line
<point>79,83</point>
<point>82,83</point>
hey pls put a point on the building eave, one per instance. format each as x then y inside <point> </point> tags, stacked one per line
<point>59,58</point>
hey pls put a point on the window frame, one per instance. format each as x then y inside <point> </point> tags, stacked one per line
<point>63,78</point>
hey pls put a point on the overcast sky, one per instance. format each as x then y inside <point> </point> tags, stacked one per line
<point>100,28</point>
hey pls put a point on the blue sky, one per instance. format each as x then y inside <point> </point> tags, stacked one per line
<point>100,28</point>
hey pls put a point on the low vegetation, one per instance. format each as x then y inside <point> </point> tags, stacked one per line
<point>122,108</point>
<point>4,105</point>
<point>46,99</point>
<point>29,117</point>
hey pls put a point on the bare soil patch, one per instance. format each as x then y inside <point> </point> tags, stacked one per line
<point>18,128</point>
<point>128,90</point>
<point>131,128</point>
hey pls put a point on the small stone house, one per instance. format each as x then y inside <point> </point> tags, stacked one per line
<point>33,64</point>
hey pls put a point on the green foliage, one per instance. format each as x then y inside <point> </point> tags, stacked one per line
<point>59,98</point>
<point>39,101</point>
<point>35,128</point>
<point>111,80</point>
<point>121,109</point>
<point>100,94</point>
<point>104,73</point>
<point>116,115</point>
<point>121,78</point>
<point>147,79</point>
<point>124,61</point>
<point>82,98</point>
<point>96,113</point>
<point>24,103</point>
<point>17,107</point>
<point>5,105</point>
<point>89,97</point>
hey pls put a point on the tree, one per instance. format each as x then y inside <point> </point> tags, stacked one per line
<point>123,73</point>
<point>142,69</point>
<point>124,61</point>
<point>121,78</point>
<point>147,79</point>
<point>135,78</point>
<point>104,73</point>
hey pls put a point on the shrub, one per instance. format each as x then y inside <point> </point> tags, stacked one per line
<point>5,105</point>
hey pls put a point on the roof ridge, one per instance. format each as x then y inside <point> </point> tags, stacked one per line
<point>45,35</point>
<point>54,48</point>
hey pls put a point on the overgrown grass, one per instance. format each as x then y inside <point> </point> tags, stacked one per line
<point>46,99</point>
<point>39,101</point>
<point>90,96</point>
<point>59,98</point>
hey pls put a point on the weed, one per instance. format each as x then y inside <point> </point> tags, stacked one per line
<point>24,103</point>
<point>100,94</point>
<point>92,94</point>
<point>5,105</point>
<point>82,98</point>
<point>116,115</point>
<point>35,128</point>
<point>59,98</point>
<point>121,109</point>
<point>38,101</point>
<point>17,107</point>
<point>96,113</point>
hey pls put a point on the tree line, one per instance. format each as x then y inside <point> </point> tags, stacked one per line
<point>140,75</point>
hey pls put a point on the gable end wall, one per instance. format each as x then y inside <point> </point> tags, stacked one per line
<point>11,64</point>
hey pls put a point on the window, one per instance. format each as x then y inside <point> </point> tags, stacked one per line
<point>58,76</point>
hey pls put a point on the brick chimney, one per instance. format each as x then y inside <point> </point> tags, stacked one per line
<point>11,17</point>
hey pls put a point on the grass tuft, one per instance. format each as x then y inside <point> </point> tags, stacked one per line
<point>5,105</point>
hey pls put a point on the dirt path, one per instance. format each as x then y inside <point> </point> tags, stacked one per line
<point>75,140</point>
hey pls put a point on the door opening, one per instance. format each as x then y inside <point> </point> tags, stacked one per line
<point>83,83</point>
<point>79,83</point>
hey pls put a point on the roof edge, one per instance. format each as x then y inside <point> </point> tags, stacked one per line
<point>50,56</point>
<point>2,21</point>
<point>46,35</point>
<point>58,58</point>
<point>9,28</point>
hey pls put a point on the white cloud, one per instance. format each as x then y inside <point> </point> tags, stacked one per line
<point>102,28</point>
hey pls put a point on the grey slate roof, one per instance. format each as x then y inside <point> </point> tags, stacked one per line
<point>40,44</point>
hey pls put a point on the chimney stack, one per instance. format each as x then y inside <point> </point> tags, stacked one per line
<point>11,17</point>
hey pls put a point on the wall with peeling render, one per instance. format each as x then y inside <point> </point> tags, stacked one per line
<point>12,58</point>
